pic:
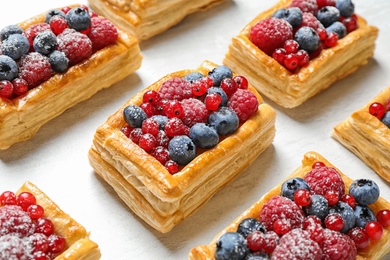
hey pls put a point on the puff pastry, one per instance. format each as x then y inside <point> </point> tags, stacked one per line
<point>147,18</point>
<point>288,89</point>
<point>78,244</point>
<point>367,137</point>
<point>21,117</point>
<point>163,200</point>
<point>376,249</point>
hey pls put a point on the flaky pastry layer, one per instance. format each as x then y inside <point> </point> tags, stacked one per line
<point>144,184</point>
<point>288,89</point>
<point>78,244</point>
<point>21,117</point>
<point>367,137</point>
<point>147,18</point>
<point>376,250</point>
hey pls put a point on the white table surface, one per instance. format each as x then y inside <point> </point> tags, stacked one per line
<point>56,158</point>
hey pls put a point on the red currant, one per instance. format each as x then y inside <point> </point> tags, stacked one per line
<point>56,243</point>
<point>20,86</point>
<point>58,24</point>
<point>161,154</point>
<point>150,126</point>
<point>331,40</point>
<point>66,9</point>
<point>35,211</point>
<point>279,55</point>
<point>303,58</point>
<point>322,33</point>
<point>291,62</point>
<point>44,226</point>
<point>256,241</point>
<point>241,82</point>
<point>359,236</point>
<point>318,165</point>
<point>126,130</point>
<point>377,109</point>
<point>172,167</point>
<point>229,86</point>
<point>349,199</point>
<point>160,107</point>
<point>332,197</point>
<point>212,101</point>
<point>272,240</point>
<point>149,109</point>
<point>334,221</point>
<point>25,199</point>
<point>199,88</point>
<point>7,198</point>
<point>174,109</point>
<point>291,46</point>
<point>175,127</point>
<point>322,3</point>
<point>374,230</point>
<point>6,89</point>
<point>151,96</point>
<point>282,226</point>
<point>39,242</point>
<point>162,139</point>
<point>351,23</point>
<point>147,142</point>
<point>383,217</point>
<point>302,197</point>
<point>135,134</point>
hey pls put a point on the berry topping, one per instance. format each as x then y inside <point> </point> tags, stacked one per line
<point>307,38</point>
<point>134,115</point>
<point>219,73</point>
<point>338,28</point>
<point>78,18</point>
<point>194,111</point>
<point>302,197</point>
<point>58,24</point>
<point>323,179</point>
<point>360,237</point>
<point>328,15</point>
<point>203,135</point>
<point>377,109</point>
<point>317,207</point>
<point>45,42</point>
<point>75,45</point>
<point>6,89</point>
<point>291,185</point>
<point>221,92</point>
<point>383,217</point>
<point>250,225</point>
<point>231,245</point>
<point>15,221</point>
<point>15,46</point>
<point>347,213</point>
<point>58,61</point>
<point>181,149</point>
<point>374,230</point>
<point>346,7</point>
<point>244,103</point>
<point>52,13</point>
<point>102,33</point>
<point>9,30</point>
<point>310,20</point>
<point>31,32</point>
<point>174,127</point>
<point>176,88</point>
<point>8,68</point>
<point>363,215</point>
<point>34,68</point>
<point>334,221</point>
<point>225,121</point>
<point>292,15</point>
<point>337,245</point>
<point>364,191</point>
<point>309,6</point>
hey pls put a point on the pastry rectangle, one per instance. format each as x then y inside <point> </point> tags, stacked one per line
<point>376,250</point>
<point>21,117</point>
<point>367,137</point>
<point>291,89</point>
<point>151,17</point>
<point>159,198</point>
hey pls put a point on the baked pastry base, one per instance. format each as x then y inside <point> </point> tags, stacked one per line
<point>288,89</point>
<point>376,250</point>
<point>143,183</point>
<point>148,18</point>
<point>367,137</point>
<point>21,117</point>
<point>78,244</point>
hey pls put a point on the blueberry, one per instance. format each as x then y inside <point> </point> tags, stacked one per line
<point>222,93</point>
<point>258,255</point>
<point>203,135</point>
<point>347,213</point>
<point>249,225</point>
<point>78,18</point>
<point>386,119</point>
<point>364,191</point>
<point>52,13</point>
<point>193,76</point>
<point>292,15</point>
<point>58,61</point>
<point>328,15</point>
<point>15,46</point>
<point>231,246</point>
<point>318,207</point>
<point>8,68</point>
<point>9,30</point>
<point>307,38</point>
<point>346,7</point>
<point>225,121</point>
<point>45,42</point>
<point>181,149</point>
<point>219,73</point>
<point>363,215</point>
<point>291,185</point>
<point>339,28</point>
<point>134,115</point>
<point>161,120</point>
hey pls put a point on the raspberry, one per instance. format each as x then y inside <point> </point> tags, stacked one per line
<point>308,6</point>
<point>297,244</point>
<point>310,20</point>
<point>324,179</point>
<point>13,247</point>
<point>34,68</point>
<point>244,103</point>
<point>75,45</point>
<point>175,88</point>
<point>31,32</point>
<point>102,33</point>
<point>313,225</point>
<point>15,221</point>
<point>337,245</point>
<point>279,207</point>
<point>195,111</point>
<point>270,34</point>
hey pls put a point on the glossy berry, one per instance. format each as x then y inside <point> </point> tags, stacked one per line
<point>322,33</point>
<point>337,245</point>
<point>20,86</point>
<point>322,179</point>
<point>346,7</point>
<point>161,120</point>
<point>174,109</point>
<point>229,86</point>
<point>52,13</point>
<point>25,199</point>
<point>309,19</point>
<point>147,142</point>
<point>250,225</point>
<point>332,197</point>
<point>256,241</point>
<point>78,18</point>
<point>322,3</point>
<point>56,243</point>
<point>194,111</point>
<point>231,245</point>
<point>290,186</point>
<point>291,62</point>
<point>203,135</point>
<point>126,130</point>
<point>281,226</point>
<point>331,39</point>
<point>317,207</point>
<point>303,58</point>
<point>318,165</point>
<point>181,149</point>
<point>135,135</point>
<point>213,101</point>
<point>172,167</point>
<point>241,81</point>
<point>162,139</point>
<point>350,23</point>
<point>7,198</point>
<point>349,199</point>
<point>360,237</point>
<point>307,6</point>
<point>302,197</point>
<point>175,127</point>
<point>383,217</point>
<point>6,89</point>
<point>150,126</point>
<point>307,39</point>
<point>8,68</point>
<point>347,213</point>
<point>225,121</point>
<point>219,73</point>
<point>31,32</point>
<point>292,15</point>
<point>338,28</point>
<point>199,88</point>
<point>160,153</point>
<point>328,15</point>
<point>377,109</point>
<point>35,211</point>
<point>219,91</point>
<point>313,225</point>
<point>363,215</point>
<point>58,24</point>
<point>374,230</point>
<point>364,191</point>
<point>39,242</point>
<point>334,222</point>
<point>44,226</point>
<point>148,108</point>
<point>58,61</point>
<point>279,55</point>
<point>291,46</point>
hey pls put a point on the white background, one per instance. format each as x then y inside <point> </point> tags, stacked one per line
<point>56,158</point>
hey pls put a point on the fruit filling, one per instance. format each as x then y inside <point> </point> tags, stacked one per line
<point>68,36</point>
<point>189,114</point>
<point>297,34</point>
<point>312,218</point>
<point>25,232</point>
<point>381,111</point>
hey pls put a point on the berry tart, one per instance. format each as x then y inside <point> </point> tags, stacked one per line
<point>34,227</point>
<point>301,47</point>
<point>172,146</point>
<point>316,213</point>
<point>55,60</point>
<point>366,133</point>
<point>147,18</point>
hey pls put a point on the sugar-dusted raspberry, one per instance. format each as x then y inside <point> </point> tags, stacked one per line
<point>310,20</point>
<point>244,103</point>
<point>15,221</point>
<point>309,6</point>
<point>279,207</point>
<point>194,111</point>
<point>176,88</point>
<point>75,45</point>
<point>270,34</point>
<point>31,32</point>
<point>324,179</point>
<point>298,245</point>
<point>13,247</point>
<point>34,68</point>
<point>313,225</point>
<point>337,245</point>
<point>102,33</point>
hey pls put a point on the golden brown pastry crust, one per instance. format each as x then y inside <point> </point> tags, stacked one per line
<point>367,137</point>
<point>78,244</point>
<point>376,250</point>
<point>21,117</point>
<point>290,90</point>
<point>157,197</point>
<point>147,18</point>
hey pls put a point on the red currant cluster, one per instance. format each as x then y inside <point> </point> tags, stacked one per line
<point>22,224</point>
<point>378,110</point>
